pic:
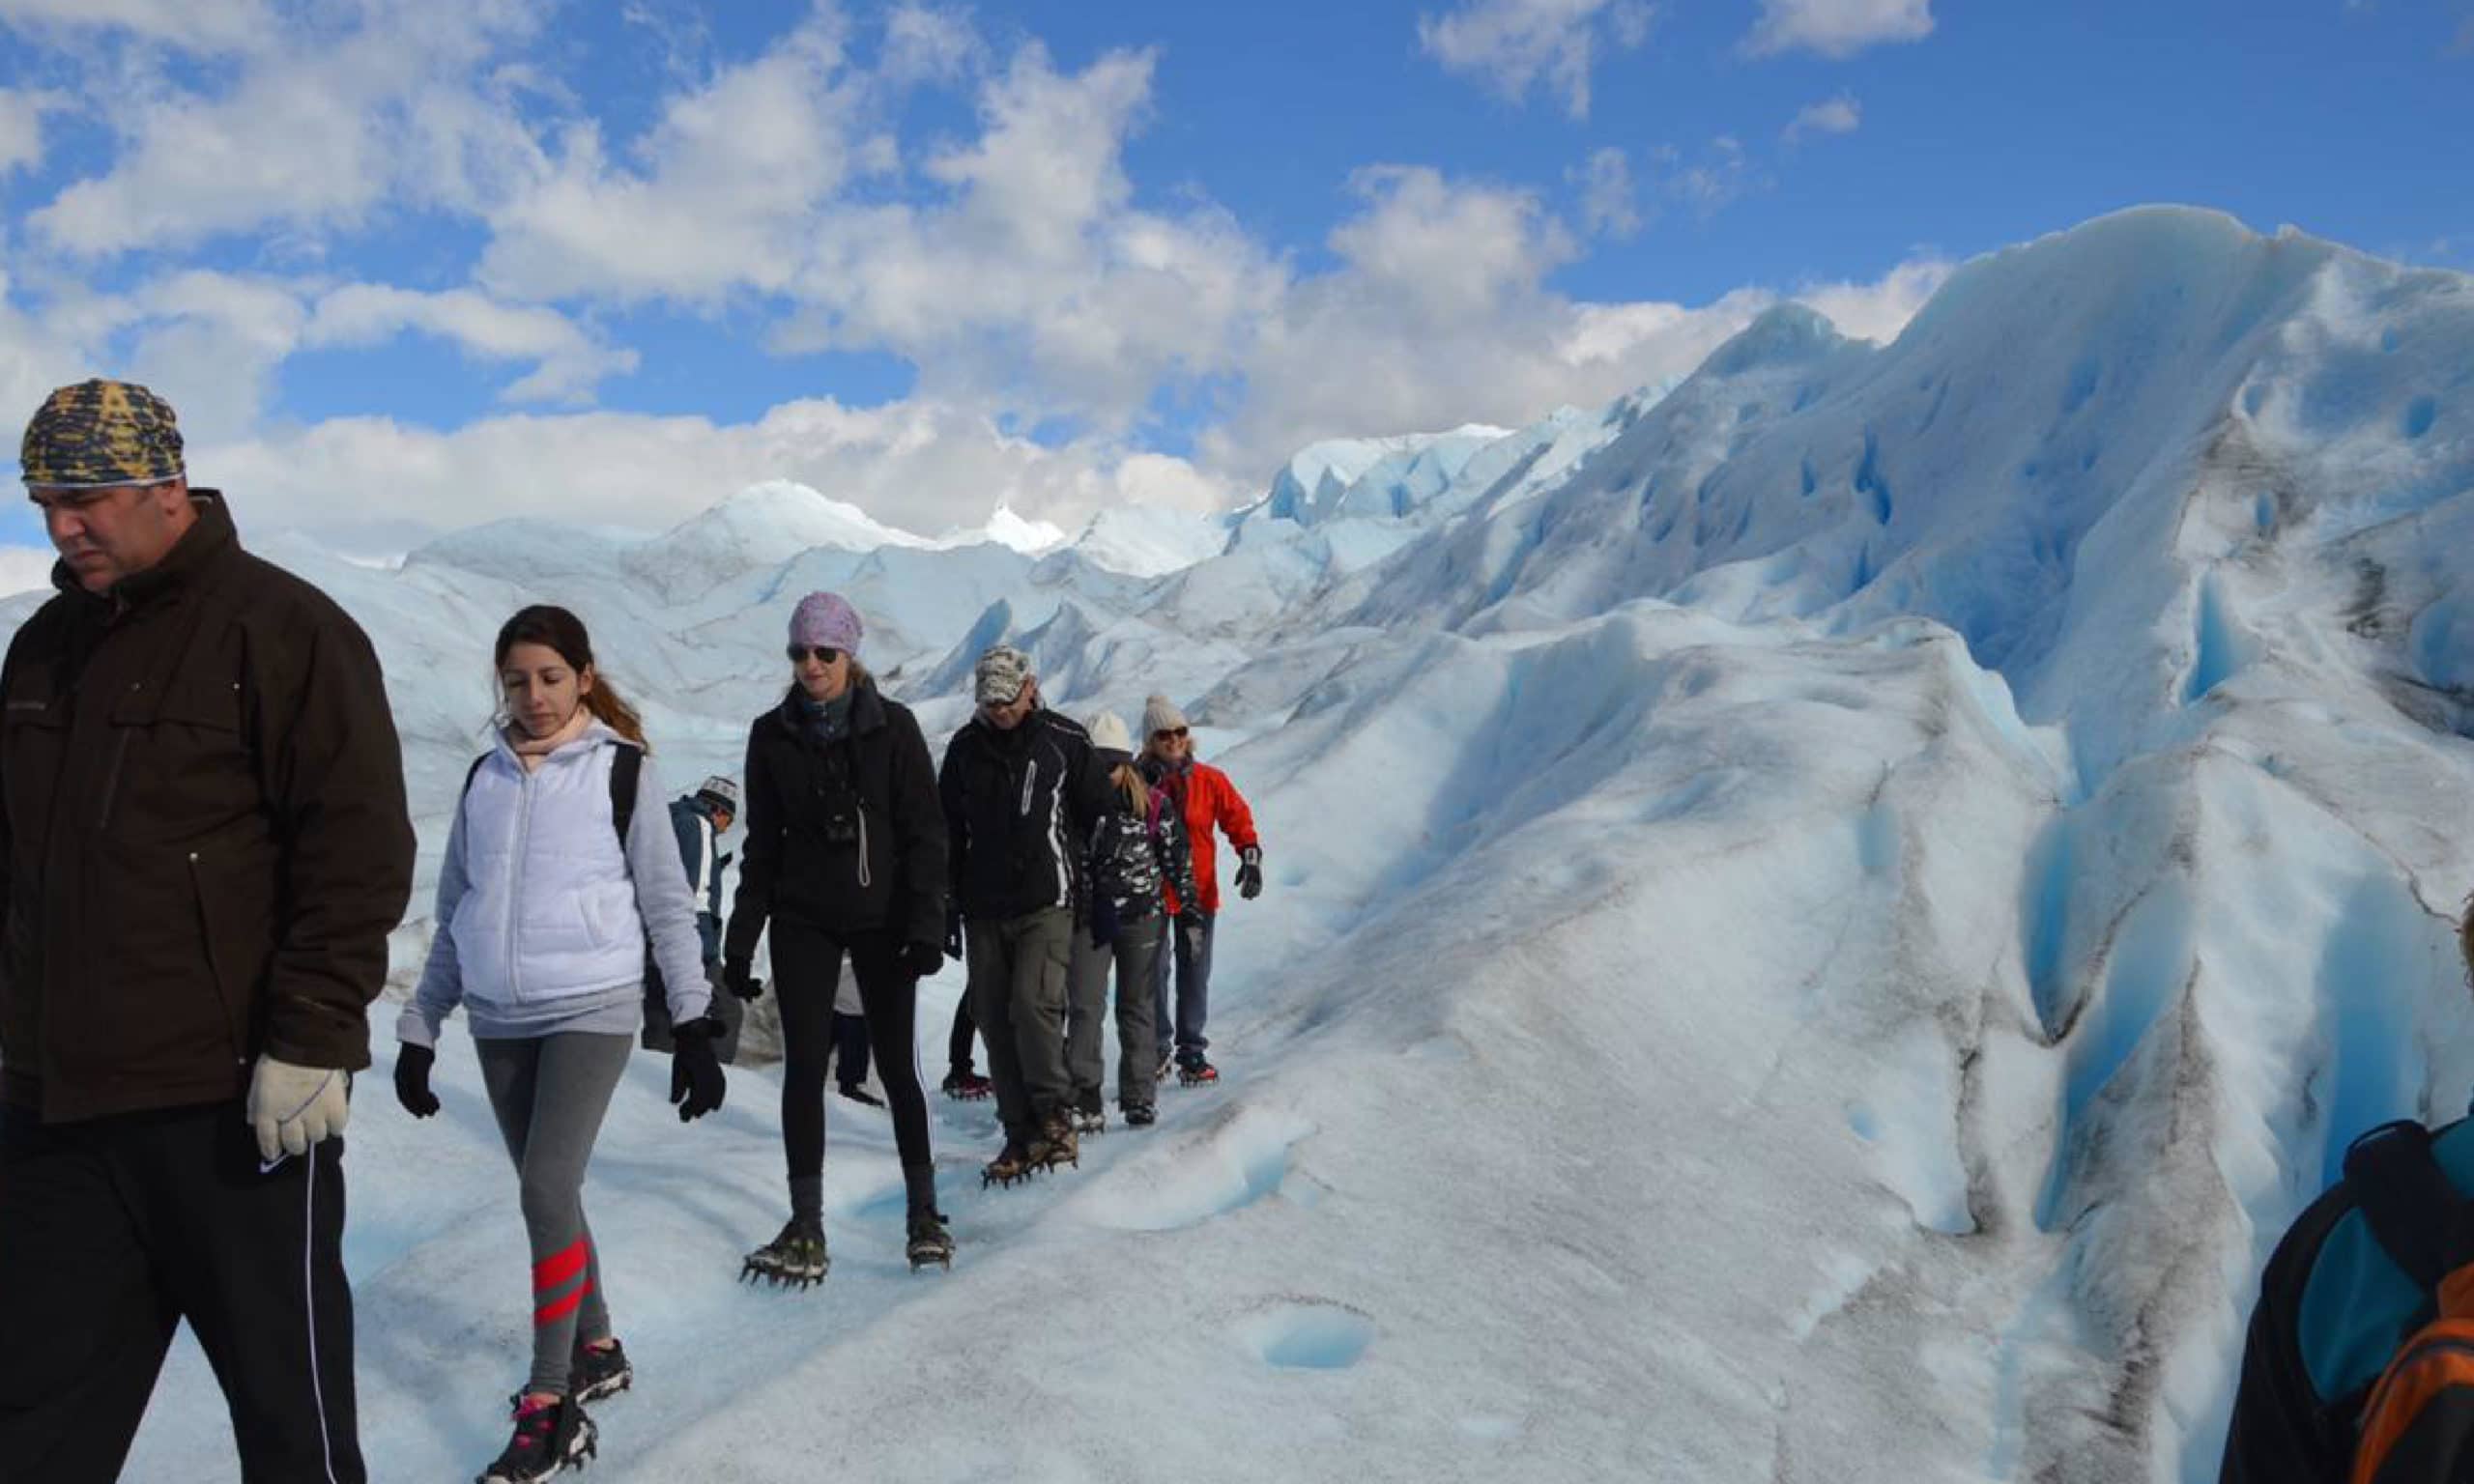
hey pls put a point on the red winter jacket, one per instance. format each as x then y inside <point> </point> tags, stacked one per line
<point>1208,798</point>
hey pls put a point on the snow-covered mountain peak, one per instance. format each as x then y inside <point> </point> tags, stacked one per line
<point>758,527</point>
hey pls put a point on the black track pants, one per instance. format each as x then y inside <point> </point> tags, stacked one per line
<point>114,1231</point>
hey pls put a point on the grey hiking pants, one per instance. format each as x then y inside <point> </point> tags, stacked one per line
<point>550,1094</point>
<point>1018,970</point>
<point>1131,955</point>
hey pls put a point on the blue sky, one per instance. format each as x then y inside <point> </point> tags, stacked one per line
<point>405,265</point>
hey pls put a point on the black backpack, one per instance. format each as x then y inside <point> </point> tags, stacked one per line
<point>2416,1422</point>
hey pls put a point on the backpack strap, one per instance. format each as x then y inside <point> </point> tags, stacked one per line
<point>623,771</point>
<point>470,773</point>
<point>2406,1196</point>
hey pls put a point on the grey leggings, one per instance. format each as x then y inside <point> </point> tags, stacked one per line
<point>550,1094</point>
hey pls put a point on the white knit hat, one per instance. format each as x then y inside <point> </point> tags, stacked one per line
<point>1161,714</point>
<point>1108,733</point>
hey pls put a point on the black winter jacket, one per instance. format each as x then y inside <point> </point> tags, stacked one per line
<point>203,830</point>
<point>1012,802</point>
<point>1132,857</point>
<point>844,837</point>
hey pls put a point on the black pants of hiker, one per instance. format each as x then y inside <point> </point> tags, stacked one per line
<point>958,1040</point>
<point>112,1233</point>
<point>807,969</point>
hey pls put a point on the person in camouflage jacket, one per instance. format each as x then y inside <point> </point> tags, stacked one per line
<point>1137,853</point>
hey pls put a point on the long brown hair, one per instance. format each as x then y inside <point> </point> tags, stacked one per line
<point>555,628</point>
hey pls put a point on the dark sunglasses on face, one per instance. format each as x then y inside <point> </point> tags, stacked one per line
<point>1169,734</point>
<point>825,654</point>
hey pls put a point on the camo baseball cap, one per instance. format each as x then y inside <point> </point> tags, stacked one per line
<point>98,435</point>
<point>999,678</point>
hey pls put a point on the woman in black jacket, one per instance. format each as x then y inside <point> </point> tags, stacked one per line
<point>845,853</point>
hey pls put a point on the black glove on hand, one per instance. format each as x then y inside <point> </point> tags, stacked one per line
<point>1104,920</point>
<point>922,959</point>
<point>954,932</point>
<point>1250,873</point>
<point>737,979</point>
<point>411,1079</point>
<point>695,1071</point>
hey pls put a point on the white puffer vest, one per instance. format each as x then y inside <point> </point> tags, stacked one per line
<point>551,917</point>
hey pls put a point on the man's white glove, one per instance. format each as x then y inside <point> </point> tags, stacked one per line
<point>293,1107</point>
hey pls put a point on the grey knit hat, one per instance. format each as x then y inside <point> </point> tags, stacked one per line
<point>1161,714</point>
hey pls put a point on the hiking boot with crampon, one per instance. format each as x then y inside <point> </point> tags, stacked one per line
<point>599,1371</point>
<point>1011,1164</point>
<point>1090,1114</point>
<point>967,1085</point>
<point>931,1242</point>
<point>1055,1143</point>
<point>796,1259</point>
<point>549,1436</point>
<point>1195,1071</point>
<point>1139,1115</point>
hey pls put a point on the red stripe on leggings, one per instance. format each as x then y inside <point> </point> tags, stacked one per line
<point>550,1271</point>
<point>552,1313</point>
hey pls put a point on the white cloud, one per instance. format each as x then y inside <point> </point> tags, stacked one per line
<point>191,25</point>
<point>1440,314</point>
<point>1840,115</point>
<point>1723,174</point>
<point>1880,310</point>
<point>1513,46</point>
<point>927,44</point>
<point>22,116</point>
<point>727,198</point>
<point>1037,283</point>
<point>324,131</point>
<point>1837,28</point>
<point>1610,205</point>
<point>920,466</point>
<point>571,363</point>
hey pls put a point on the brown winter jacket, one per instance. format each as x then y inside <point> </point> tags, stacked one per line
<point>203,840</point>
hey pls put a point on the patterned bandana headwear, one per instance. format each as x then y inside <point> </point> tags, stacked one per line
<point>100,434</point>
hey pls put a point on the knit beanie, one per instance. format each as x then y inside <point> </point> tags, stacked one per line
<point>823,620</point>
<point>1109,736</point>
<point>1161,714</point>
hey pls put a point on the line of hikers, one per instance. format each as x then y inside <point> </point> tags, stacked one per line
<point>206,846</point>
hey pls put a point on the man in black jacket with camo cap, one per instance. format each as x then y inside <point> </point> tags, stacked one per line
<point>203,848</point>
<point>1020,785</point>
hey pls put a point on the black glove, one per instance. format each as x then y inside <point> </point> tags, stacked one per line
<point>1250,873</point>
<point>953,933</point>
<point>1104,920</point>
<point>695,1071</point>
<point>737,979</point>
<point>923,959</point>
<point>411,1079</point>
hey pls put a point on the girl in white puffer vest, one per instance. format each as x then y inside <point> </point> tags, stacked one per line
<point>544,908</point>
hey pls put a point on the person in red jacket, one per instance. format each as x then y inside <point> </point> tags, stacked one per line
<point>1206,799</point>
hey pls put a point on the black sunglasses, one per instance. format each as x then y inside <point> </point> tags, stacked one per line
<point>825,654</point>
<point>1170,732</point>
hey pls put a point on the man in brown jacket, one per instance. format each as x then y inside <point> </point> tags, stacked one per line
<point>203,847</point>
